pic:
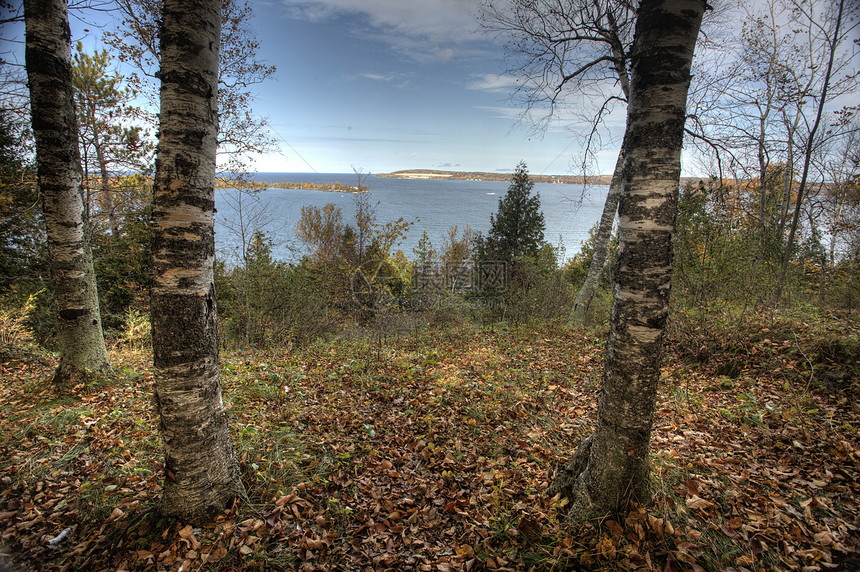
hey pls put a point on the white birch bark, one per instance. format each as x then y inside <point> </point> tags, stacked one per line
<point>601,245</point>
<point>612,465</point>
<point>201,473</point>
<point>49,72</point>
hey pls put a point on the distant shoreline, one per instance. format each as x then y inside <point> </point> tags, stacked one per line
<point>336,187</point>
<point>506,177</point>
<point>484,176</point>
<point>423,174</point>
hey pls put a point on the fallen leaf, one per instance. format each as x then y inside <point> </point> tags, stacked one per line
<point>698,503</point>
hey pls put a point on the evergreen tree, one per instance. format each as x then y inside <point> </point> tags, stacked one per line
<point>22,232</point>
<point>109,142</point>
<point>516,230</point>
<point>425,278</point>
<point>425,254</point>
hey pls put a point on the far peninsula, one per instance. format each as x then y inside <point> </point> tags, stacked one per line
<point>502,176</point>
<point>484,176</point>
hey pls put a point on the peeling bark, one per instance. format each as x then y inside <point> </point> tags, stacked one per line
<point>201,473</point>
<point>612,466</point>
<point>49,72</point>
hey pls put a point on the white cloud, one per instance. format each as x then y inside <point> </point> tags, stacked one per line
<point>400,81</point>
<point>493,82</point>
<point>512,113</point>
<point>308,11</point>
<point>437,20</point>
<point>563,120</point>
<point>425,29</point>
<point>443,54</point>
<point>379,76</point>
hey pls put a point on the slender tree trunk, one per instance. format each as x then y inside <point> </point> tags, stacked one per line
<point>106,196</point>
<point>788,185</point>
<point>613,465</point>
<point>201,473</point>
<point>601,244</point>
<point>764,192</point>
<point>49,70</point>
<point>822,258</point>
<point>810,143</point>
<point>603,238</point>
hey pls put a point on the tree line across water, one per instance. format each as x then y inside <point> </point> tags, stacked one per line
<point>222,183</point>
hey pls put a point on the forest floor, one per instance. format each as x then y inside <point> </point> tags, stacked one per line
<point>434,451</point>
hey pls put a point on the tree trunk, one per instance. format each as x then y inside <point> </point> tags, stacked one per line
<point>49,70</point>
<point>601,244</point>
<point>201,473</point>
<point>788,184</point>
<point>764,221</point>
<point>822,258</point>
<point>612,465</point>
<point>106,197</point>
<point>603,238</point>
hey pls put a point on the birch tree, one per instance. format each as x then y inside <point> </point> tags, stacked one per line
<point>201,474</point>
<point>49,71</point>
<point>612,465</point>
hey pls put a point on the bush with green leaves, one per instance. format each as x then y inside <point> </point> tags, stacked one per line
<point>537,290</point>
<point>122,266</point>
<point>24,266</point>
<point>576,269</point>
<point>719,256</point>
<point>268,303</point>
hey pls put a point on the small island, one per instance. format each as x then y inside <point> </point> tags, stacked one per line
<point>336,187</point>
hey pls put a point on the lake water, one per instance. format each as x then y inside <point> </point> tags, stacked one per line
<point>433,205</point>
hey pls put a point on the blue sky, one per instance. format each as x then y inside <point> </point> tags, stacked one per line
<point>381,85</point>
